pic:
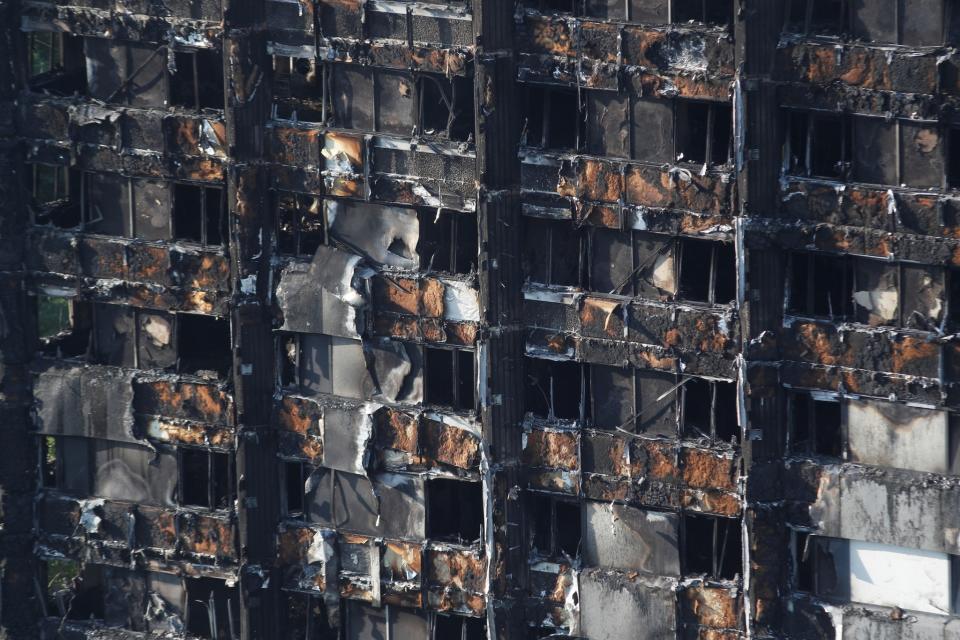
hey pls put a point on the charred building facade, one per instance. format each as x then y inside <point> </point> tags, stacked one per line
<point>461,320</point>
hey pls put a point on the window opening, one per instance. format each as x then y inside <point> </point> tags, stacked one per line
<point>556,390</point>
<point>454,510</point>
<point>718,284</point>
<point>553,118</point>
<point>295,477</point>
<point>553,252</point>
<point>555,525</point>
<point>710,409</point>
<point>206,479</point>
<point>204,346</point>
<point>198,80</point>
<point>821,285</point>
<point>818,145</point>
<point>212,609</point>
<point>198,214</point>
<point>815,426</point>
<point>712,546</point>
<point>301,223</point>
<point>703,132</point>
<point>447,241</point>
<point>717,12</point>
<point>449,378</point>
<point>446,107</point>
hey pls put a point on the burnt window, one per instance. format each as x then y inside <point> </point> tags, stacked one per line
<point>307,617</point>
<point>553,118</point>
<point>710,409</point>
<point>204,344</point>
<point>66,464</point>
<point>818,144</point>
<point>54,191</point>
<point>115,205</point>
<point>73,591</point>
<point>703,132</point>
<point>556,390</point>
<point>301,223</point>
<point>446,107</point>
<point>449,378</point>
<point>206,479</point>
<point>197,80</point>
<point>454,510</point>
<point>199,214</point>
<point>708,271</point>
<point>123,72</point>
<point>552,251</point>
<point>815,17</point>
<point>555,527</point>
<point>213,609</point>
<point>815,425</point>
<point>298,89</point>
<point>316,363</point>
<point>55,63</point>
<point>295,475</point>
<point>953,158</point>
<point>711,547</point>
<point>63,326</point>
<point>447,241</point>
<point>448,627</point>
<point>719,12</point>
<point>820,285</point>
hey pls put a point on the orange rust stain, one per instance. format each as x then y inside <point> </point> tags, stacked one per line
<point>433,330</point>
<point>645,187</point>
<point>672,338</point>
<point>555,450</point>
<point>397,430</point>
<point>464,333</point>
<point>451,445</point>
<point>295,416</point>
<point>714,340</point>
<point>599,180</point>
<point>907,350</point>
<point>550,36</point>
<point>821,64</point>
<point>708,470</point>
<point>713,606</point>
<point>431,298</point>
<point>818,340</point>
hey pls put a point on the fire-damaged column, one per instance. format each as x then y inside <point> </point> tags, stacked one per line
<point>761,277</point>
<point>18,471</point>
<point>247,103</point>
<point>501,349</point>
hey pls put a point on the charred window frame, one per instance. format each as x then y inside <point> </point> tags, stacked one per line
<point>295,474</point>
<point>454,627</point>
<point>54,192</point>
<point>449,376</point>
<point>703,131</point>
<point>557,390</point>
<point>197,79</point>
<point>711,12</point>
<point>720,286</point>
<point>65,463</point>
<point>127,207</point>
<point>554,252</point>
<point>709,409</point>
<point>818,144</point>
<point>199,214</point>
<point>55,62</point>
<point>72,590</point>
<point>556,528</point>
<point>711,546</point>
<point>953,153</point>
<point>815,425</point>
<point>301,223</point>
<point>448,241</point>
<point>300,89</point>
<point>206,479</point>
<point>204,343</point>
<point>212,609</point>
<point>821,285</point>
<point>444,107</point>
<point>553,119</point>
<point>715,12</point>
<point>816,17</point>
<point>64,326</point>
<point>454,510</point>
<point>307,617</point>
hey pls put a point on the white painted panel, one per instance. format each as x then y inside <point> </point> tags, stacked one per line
<point>896,435</point>
<point>897,576</point>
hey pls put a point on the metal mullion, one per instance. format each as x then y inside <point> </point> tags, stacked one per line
<point>809,303</point>
<point>807,151</point>
<point>713,409</point>
<point>136,338</point>
<point>808,16</point>
<point>545,119</point>
<point>418,94</point>
<point>203,216</point>
<point>455,367</point>
<point>324,90</point>
<point>210,491</point>
<point>454,228</point>
<point>711,296</point>
<point>715,556</point>
<point>131,220</point>
<point>196,82</point>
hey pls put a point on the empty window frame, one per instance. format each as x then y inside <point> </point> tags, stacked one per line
<point>710,409</point>
<point>703,131</point>
<point>953,157</point>
<point>454,510</point>
<point>54,195</point>
<point>66,464</point>
<point>557,390</point>
<point>301,223</point>
<point>554,524</point>
<point>814,425</point>
<point>718,12</point>
<point>708,271</point>
<point>213,609</point>
<point>818,144</point>
<point>915,23</point>
<point>63,326</point>
<point>72,590</point>
<point>295,474</point>
<point>322,364</point>
<point>129,207</point>
<point>820,285</point>
<point>55,62</point>
<point>307,617</point>
<point>815,17</point>
<point>454,627</point>
<point>445,107</point>
<point>447,241</point>
<point>121,72</point>
<point>299,89</point>
<point>632,263</point>
<point>199,214</point>
<point>449,377</point>
<point>553,119</point>
<point>197,79</point>
<point>711,546</point>
<point>206,479</point>
<point>203,344</point>
<point>553,251</point>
